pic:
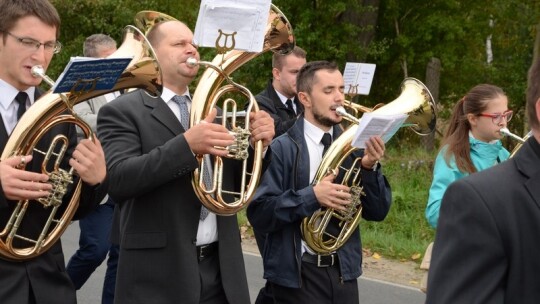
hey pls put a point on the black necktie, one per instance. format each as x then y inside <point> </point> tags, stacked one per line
<point>326,141</point>
<point>289,106</point>
<point>21,100</point>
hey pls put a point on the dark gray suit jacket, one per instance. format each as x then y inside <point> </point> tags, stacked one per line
<point>486,247</point>
<point>149,165</point>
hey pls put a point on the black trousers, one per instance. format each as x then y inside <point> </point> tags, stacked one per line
<point>319,285</point>
<point>211,287</point>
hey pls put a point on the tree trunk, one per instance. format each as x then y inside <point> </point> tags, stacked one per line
<point>363,14</point>
<point>433,78</point>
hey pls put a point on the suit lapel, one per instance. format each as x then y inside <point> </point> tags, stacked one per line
<point>162,113</point>
<point>3,134</point>
<point>527,163</point>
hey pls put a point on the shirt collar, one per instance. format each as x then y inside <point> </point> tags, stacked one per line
<point>168,94</point>
<point>314,132</point>
<point>283,98</point>
<point>8,94</point>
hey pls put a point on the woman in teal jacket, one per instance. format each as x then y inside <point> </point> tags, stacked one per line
<point>472,142</point>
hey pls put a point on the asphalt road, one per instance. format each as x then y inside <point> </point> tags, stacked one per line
<point>371,291</point>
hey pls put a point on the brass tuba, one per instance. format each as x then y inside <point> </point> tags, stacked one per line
<point>414,100</point>
<point>279,38</point>
<point>47,112</point>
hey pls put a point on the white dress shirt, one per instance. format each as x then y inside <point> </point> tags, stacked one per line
<point>207,232</point>
<point>313,136</point>
<point>9,106</point>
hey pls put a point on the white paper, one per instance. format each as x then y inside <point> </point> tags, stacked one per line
<point>247,18</point>
<point>358,78</point>
<point>373,124</point>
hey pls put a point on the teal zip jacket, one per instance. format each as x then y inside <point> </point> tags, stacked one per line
<point>483,155</point>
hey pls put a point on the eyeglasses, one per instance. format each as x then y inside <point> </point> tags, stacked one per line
<point>32,44</point>
<point>497,117</point>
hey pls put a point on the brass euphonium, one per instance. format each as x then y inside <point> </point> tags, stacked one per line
<point>414,100</point>
<point>47,112</point>
<point>279,38</point>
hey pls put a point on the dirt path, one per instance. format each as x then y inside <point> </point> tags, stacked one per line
<point>375,267</point>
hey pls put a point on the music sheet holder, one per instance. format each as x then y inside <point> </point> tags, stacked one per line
<point>82,73</point>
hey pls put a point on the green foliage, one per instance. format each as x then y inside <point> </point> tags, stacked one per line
<point>405,231</point>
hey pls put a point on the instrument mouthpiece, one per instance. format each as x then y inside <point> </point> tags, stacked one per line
<point>192,62</point>
<point>506,132</point>
<point>341,111</point>
<point>37,71</point>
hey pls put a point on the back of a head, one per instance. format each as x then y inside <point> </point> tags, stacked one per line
<point>93,43</point>
<point>533,86</point>
<point>13,10</point>
<point>306,76</point>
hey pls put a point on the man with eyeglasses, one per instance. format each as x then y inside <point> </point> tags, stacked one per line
<point>29,32</point>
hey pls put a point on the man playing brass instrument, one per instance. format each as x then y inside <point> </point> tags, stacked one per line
<point>29,31</point>
<point>286,196</point>
<point>171,249</point>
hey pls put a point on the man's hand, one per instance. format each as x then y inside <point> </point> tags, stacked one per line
<point>373,152</point>
<point>88,160</point>
<point>332,195</point>
<point>209,138</point>
<point>19,184</point>
<point>261,127</point>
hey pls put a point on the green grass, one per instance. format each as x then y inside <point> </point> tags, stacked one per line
<point>405,233</point>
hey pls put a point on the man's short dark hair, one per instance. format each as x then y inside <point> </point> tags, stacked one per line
<point>306,76</point>
<point>13,10</point>
<point>533,90</point>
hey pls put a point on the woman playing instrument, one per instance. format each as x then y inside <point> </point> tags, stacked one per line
<point>472,141</point>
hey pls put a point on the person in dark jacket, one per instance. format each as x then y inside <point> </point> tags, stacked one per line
<point>280,101</point>
<point>279,97</point>
<point>287,195</point>
<point>28,36</point>
<point>184,253</point>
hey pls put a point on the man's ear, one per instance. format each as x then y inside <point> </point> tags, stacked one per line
<point>276,74</point>
<point>304,99</point>
<point>537,106</point>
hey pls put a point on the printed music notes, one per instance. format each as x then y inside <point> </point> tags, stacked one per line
<point>358,78</point>
<point>87,72</point>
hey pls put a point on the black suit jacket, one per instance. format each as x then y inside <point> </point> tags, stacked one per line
<point>150,165</point>
<point>45,275</point>
<point>269,101</point>
<point>486,247</point>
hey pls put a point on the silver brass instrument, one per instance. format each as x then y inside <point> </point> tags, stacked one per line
<point>520,140</point>
<point>414,100</point>
<point>47,112</point>
<point>279,38</point>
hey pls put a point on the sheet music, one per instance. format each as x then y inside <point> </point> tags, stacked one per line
<point>105,71</point>
<point>373,124</point>
<point>359,75</point>
<point>245,17</point>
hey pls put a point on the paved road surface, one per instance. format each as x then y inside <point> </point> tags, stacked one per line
<point>371,291</point>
